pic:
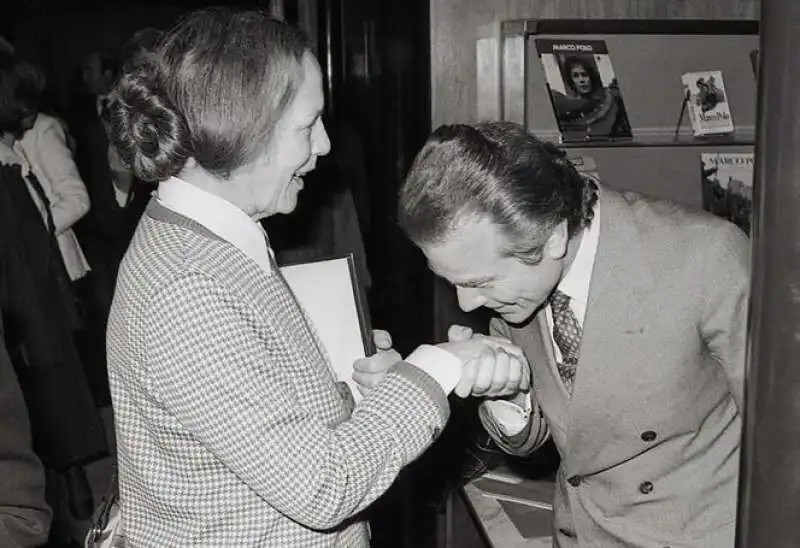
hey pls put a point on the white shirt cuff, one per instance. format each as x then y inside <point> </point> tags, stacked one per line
<point>510,417</point>
<point>440,364</point>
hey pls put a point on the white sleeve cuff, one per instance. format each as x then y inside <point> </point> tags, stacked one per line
<point>510,417</point>
<point>440,364</point>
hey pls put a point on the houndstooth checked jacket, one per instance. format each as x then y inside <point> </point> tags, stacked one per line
<point>231,430</point>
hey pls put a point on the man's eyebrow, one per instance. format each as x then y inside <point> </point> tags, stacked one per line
<point>474,282</point>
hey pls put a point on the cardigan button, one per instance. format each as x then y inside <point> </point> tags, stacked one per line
<point>575,481</point>
<point>646,487</point>
<point>649,436</point>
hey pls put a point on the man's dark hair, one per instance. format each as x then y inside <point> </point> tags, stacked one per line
<point>496,170</point>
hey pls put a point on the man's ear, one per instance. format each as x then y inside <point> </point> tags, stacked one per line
<point>557,244</point>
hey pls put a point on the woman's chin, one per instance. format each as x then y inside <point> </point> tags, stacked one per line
<point>288,202</point>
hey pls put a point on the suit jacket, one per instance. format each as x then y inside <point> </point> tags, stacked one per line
<point>24,514</point>
<point>231,429</point>
<point>650,437</point>
<point>45,148</point>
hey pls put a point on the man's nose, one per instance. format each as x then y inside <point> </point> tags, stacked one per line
<point>469,298</point>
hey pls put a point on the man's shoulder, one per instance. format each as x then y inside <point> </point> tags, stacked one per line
<point>676,239</point>
<point>658,218</point>
<point>41,132</point>
<point>45,122</point>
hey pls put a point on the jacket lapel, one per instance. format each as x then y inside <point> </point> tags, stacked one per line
<point>548,389</point>
<point>621,281</point>
<point>273,294</point>
<point>268,290</point>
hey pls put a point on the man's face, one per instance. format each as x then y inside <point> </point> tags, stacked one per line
<point>581,79</point>
<point>471,258</point>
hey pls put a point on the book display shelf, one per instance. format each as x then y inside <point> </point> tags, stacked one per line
<point>662,156</point>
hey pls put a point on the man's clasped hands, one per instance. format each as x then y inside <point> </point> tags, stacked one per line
<point>490,366</point>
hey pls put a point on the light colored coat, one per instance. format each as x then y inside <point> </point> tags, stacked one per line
<point>231,430</point>
<point>650,438</point>
<point>46,150</point>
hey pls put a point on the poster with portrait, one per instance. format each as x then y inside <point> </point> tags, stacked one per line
<point>728,186</point>
<point>584,90</point>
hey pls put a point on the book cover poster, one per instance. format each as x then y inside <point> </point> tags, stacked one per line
<point>584,91</point>
<point>709,110</point>
<point>728,186</point>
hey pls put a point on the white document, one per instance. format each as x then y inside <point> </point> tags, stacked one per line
<point>327,292</point>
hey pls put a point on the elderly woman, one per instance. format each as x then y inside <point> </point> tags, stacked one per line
<point>232,430</point>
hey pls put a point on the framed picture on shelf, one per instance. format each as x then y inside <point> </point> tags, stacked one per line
<point>584,90</point>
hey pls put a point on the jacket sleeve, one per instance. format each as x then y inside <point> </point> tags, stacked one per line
<point>723,325</point>
<point>24,514</point>
<point>69,200</point>
<point>209,368</point>
<point>534,433</point>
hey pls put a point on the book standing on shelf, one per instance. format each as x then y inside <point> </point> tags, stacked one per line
<point>728,186</point>
<point>584,91</point>
<point>709,110</point>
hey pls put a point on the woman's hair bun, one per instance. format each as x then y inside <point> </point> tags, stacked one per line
<point>150,135</point>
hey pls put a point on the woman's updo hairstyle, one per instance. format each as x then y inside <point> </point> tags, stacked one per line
<point>212,89</point>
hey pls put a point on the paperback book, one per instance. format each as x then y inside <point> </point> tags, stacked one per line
<point>708,107</point>
<point>584,90</point>
<point>728,186</point>
<point>334,301</point>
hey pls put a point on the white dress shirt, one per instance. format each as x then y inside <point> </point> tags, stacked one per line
<point>237,228</point>
<point>511,417</point>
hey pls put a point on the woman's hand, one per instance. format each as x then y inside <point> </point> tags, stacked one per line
<point>369,372</point>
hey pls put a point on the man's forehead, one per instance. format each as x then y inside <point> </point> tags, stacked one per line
<point>470,250</point>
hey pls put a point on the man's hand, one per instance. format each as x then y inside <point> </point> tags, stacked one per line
<point>369,372</point>
<point>492,366</point>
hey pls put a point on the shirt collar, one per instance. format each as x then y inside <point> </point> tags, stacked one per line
<point>577,279</point>
<point>219,216</point>
<point>9,156</point>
